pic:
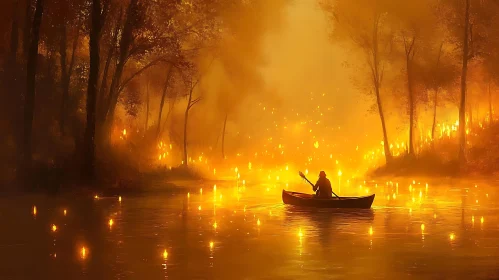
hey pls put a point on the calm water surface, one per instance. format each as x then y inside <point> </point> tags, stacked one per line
<point>443,231</point>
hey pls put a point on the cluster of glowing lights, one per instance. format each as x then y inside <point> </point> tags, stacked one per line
<point>164,150</point>
<point>414,188</point>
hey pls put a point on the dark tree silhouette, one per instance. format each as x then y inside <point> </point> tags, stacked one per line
<point>98,16</point>
<point>29,104</point>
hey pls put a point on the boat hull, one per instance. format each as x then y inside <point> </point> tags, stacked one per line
<point>310,200</point>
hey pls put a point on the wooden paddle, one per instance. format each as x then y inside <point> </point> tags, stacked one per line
<point>303,176</point>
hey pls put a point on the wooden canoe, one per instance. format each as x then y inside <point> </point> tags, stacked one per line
<point>311,200</point>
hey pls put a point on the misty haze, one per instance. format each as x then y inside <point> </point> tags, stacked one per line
<point>249,139</point>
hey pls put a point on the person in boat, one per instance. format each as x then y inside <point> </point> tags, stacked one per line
<point>323,186</point>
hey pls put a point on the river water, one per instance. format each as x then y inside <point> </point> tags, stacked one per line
<point>448,230</point>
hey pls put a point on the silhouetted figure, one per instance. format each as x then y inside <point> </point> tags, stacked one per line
<point>323,186</point>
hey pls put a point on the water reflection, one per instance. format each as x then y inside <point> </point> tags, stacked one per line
<point>414,228</point>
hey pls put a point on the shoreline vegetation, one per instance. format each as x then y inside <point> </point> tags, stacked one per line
<point>120,173</point>
<point>482,159</point>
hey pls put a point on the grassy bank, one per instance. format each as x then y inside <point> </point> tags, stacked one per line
<point>441,160</point>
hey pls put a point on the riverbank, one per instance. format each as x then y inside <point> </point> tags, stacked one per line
<point>440,160</point>
<point>110,179</point>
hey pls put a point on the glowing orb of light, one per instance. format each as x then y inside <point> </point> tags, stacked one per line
<point>452,237</point>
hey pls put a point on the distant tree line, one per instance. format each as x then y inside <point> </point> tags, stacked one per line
<point>432,46</point>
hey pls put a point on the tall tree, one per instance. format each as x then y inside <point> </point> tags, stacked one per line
<point>98,15</point>
<point>66,70</point>
<point>163,96</point>
<point>362,23</point>
<point>409,50</point>
<point>109,57</point>
<point>491,116</point>
<point>147,108</point>
<point>470,25</point>
<point>29,104</point>
<point>191,101</point>
<point>27,27</point>
<point>14,37</point>
<point>435,88</point>
<point>464,72</point>
<point>132,18</point>
<point>223,136</point>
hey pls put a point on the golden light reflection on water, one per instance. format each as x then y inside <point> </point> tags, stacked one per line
<point>83,253</point>
<point>237,220</point>
<point>452,236</point>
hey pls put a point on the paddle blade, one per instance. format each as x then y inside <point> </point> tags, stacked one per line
<point>301,174</point>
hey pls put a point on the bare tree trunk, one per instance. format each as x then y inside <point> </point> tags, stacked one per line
<point>433,127</point>
<point>469,107</point>
<point>103,84</point>
<point>147,108</point>
<point>388,155</point>
<point>14,39</point>
<point>462,106</point>
<point>377,85</point>
<point>223,136</point>
<point>163,96</point>
<point>27,29</point>
<point>186,118</point>
<point>89,137</point>
<point>66,73</point>
<point>64,76</point>
<point>409,57</point>
<point>435,98</point>
<point>29,106</point>
<point>190,103</point>
<point>125,42</point>
<point>170,110</point>
<point>11,75</point>
<point>490,107</point>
